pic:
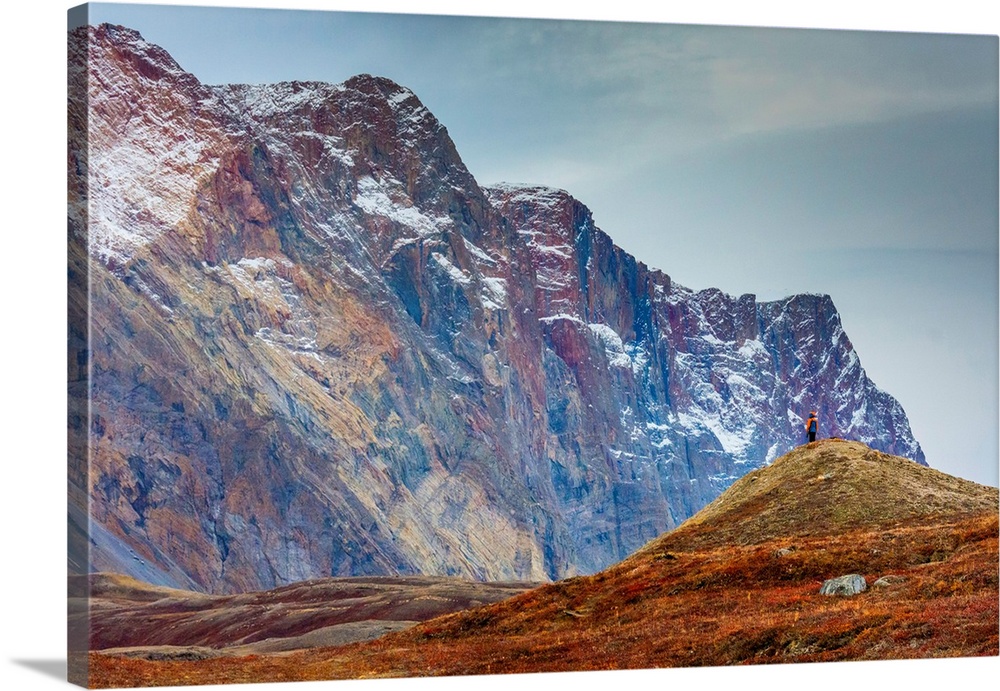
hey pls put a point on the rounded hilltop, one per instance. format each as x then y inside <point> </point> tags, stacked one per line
<point>828,487</point>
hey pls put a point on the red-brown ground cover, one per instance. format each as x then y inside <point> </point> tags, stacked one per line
<point>705,594</point>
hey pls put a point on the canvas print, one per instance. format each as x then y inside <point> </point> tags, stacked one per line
<point>414,345</point>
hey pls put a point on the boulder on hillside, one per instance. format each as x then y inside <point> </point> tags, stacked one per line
<point>851,584</point>
<point>888,581</point>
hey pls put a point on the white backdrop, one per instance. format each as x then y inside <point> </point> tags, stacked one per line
<point>32,253</point>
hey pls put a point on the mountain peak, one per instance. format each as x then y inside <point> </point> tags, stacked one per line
<point>401,100</point>
<point>148,60</point>
<point>527,192</point>
<point>372,83</point>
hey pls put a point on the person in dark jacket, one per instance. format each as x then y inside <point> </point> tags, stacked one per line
<point>812,426</point>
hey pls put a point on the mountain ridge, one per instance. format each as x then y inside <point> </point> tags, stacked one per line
<point>277,269</point>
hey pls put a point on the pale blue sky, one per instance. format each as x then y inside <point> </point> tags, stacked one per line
<point>769,161</point>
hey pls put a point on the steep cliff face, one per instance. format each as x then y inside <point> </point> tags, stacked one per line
<point>685,390</point>
<point>319,347</point>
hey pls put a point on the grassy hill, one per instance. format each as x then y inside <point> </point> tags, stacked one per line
<point>826,488</point>
<point>736,584</point>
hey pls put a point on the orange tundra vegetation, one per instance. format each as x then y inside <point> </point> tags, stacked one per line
<point>736,584</point>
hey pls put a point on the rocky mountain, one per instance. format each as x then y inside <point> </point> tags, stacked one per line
<point>318,347</point>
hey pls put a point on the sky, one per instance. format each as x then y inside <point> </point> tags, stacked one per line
<point>772,161</point>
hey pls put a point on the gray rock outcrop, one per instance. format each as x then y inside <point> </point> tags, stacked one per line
<point>851,584</point>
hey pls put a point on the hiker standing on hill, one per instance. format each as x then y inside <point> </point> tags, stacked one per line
<point>812,426</point>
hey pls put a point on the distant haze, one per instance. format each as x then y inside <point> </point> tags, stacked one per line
<point>768,161</point>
